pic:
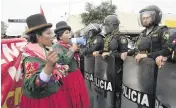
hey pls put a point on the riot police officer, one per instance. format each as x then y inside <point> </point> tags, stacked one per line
<point>94,47</point>
<point>171,47</point>
<point>151,42</point>
<point>94,44</point>
<point>116,45</point>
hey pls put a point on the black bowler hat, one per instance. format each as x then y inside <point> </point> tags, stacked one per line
<point>36,22</point>
<point>62,25</point>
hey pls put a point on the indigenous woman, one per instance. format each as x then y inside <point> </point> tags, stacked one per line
<point>73,83</point>
<point>42,87</point>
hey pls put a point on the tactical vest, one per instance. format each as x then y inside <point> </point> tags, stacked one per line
<point>108,39</point>
<point>90,42</point>
<point>155,37</point>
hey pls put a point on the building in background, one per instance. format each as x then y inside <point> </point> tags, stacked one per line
<point>129,22</point>
<point>75,22</point>
<point>169,20</point>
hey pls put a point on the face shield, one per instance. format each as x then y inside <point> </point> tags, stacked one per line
<point>103,31</point>
<point>92,29</point>
<point>147,18</point>
<point>109,27</point>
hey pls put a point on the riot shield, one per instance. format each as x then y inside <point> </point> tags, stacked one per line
<point>139,83</point>
<point>89,63</point>
<point>166,87</point>
<point>104,82</point>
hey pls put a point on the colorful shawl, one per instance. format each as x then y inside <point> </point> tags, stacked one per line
<point>67,46</point>
<point>34,50</point>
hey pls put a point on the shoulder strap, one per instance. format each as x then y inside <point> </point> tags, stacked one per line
<point>107,41</point>
<point>138,39</point>
<point>159,30</point>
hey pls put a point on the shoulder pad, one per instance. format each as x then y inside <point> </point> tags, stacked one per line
<point>163,27</point>
<point>123,39</point>
<point>166,34</point>
<point>160,30</point>
<point>95,41</point>
<point>100,36</point>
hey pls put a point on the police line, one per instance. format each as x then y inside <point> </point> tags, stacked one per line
<point>103,84</point>
<point>139,86</point>
<point>137,97</point>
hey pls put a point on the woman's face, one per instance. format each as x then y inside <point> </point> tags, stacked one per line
<point>46,38</point>
<point>65,36</point>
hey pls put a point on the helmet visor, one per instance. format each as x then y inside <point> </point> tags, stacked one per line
<point>147,18</point>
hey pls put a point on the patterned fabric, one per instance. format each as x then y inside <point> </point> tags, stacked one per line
<point>89,41</point>
<point>67,46</point>
<point>30,68</point>
<point>64,44</point>
<point>34,50</point>
<point>72,94</point>
<point>77,58</point>
<point>108,39</point>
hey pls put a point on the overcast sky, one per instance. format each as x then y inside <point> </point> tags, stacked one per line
<point>55,9</point>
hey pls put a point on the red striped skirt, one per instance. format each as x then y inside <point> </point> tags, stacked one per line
<point>72,94</point>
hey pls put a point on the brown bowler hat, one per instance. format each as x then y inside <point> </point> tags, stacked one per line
<point>36,22</point>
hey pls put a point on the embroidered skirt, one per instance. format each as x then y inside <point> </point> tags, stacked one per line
<point>72,94</point>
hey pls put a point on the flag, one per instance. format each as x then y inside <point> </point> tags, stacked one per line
<point>41,10</point>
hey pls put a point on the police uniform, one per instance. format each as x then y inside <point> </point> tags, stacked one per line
<point>94,43</point>
<point>153,44</point>
<point>115,43</point>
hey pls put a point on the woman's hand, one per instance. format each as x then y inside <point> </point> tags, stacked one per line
<point>51,60</point>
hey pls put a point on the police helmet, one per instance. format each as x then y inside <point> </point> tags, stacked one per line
<point>111,19</point>
<point>155,13</point>
<point>94,27</point>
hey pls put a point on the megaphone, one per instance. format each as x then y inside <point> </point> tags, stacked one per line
<point>80,40</point>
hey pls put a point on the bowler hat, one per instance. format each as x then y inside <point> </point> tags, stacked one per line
<point>36,22</point>
<point>62,25</point>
